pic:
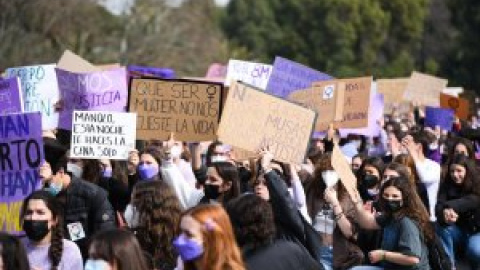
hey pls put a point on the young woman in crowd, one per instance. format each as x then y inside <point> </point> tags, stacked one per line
<point>206,240</point>
<point>334,219</point>
<point>458,209</point>
<point>254,227</point>
<point>12,253</point>
<point>42,223</point>
<point>115,250</point>
<point>114,180</point>
<point>405,226</point>
<point>158,211</point>
<point>149,166</point>
<point>369,178</point>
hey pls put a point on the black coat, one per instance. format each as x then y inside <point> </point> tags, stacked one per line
<point>279,255</point>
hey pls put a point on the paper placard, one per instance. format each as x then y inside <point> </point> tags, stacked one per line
<point>393,91</point>
<point>74,63</point>
<point>439,117</point>
<point>40,91</point>
<point>252,119</point>
<point>375,114</point>
<point>158,72</point>
<point>344,171</point>
<point>10,96</point>
<point>216,70</point>
<point>424,89</point>
<point>102,135</point>
<point>190,109</point>
<point>460,106</point>
<point>95,91</point>
<point>21,146</point>
<point>256,74</point>
<point>288,76</point>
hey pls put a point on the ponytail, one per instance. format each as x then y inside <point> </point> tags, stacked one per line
<point>56,248</point>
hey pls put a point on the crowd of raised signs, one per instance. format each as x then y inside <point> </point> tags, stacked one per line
<point>260,167</point>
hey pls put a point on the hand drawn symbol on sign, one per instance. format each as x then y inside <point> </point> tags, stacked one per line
<point>328,91</point>
<point>211,91</point>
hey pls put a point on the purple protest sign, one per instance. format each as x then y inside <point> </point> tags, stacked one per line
<point>439,117</point>
<point>95,91</point>
<point>216,70</point>
<point>288,76</point>
<point>375,114</point>
<point>21,146</point>
<point>162,73</point>
<point>10,96</point>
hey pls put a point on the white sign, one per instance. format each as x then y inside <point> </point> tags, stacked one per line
<point>39,90</point>
<point>107,135</point>
<point>256,74</point>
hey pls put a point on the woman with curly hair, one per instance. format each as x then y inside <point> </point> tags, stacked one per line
<point>46,248</point>
<point>405,227</point>
<point>207,241</point>
<point>159,212</point>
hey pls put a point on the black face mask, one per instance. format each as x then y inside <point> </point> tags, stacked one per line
<point>36,230</point>
<point>393,206</point>
<point>211,191</point>
<point>370,181</point>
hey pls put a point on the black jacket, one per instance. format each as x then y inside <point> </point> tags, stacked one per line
<point>279,255</point>
<point>467,206</point>
<point>87,204</point>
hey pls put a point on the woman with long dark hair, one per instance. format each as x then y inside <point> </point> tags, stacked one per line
<point>42,223</point>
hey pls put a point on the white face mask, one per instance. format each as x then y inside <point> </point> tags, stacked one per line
<point>176,151</point>
<point>218,158</point>
<point>75,170</point>
<point>96,265</point>
<point>330,178</point>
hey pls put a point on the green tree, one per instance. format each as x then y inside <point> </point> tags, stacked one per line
<point>340,37</point>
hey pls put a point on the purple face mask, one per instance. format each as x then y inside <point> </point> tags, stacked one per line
<point>187,249</point>
<point>147,171</point>
<point>107,172</point>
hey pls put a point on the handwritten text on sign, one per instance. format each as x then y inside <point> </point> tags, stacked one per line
<point>189,109</point>
<point>40,91</point>
<point>256,74</point>
<point>253,119</point>
<point>21,153</point>
<point>106,135</point>
<point>95,91</point>
<point>10,96</point>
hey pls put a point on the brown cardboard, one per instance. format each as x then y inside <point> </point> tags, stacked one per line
<point>461,106</point>
<point>189,109</point>
<point>74,63</point>
<point>424,89</point>
<point>109,66</point>
<point>344,171</point>
<point>393,90</point>
<point>253,119</point>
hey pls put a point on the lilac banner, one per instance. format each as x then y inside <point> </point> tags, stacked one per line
<point>21,149</point>
<point>375,113</point>
<point>10,96</point>
<point>288,76</point>
<point>439,117</point>
<point>162,73</point>
<point>96,91</point>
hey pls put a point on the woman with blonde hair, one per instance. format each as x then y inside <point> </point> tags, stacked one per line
<point>207,240</point>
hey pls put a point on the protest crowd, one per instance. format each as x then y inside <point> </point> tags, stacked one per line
<point>259,167</point>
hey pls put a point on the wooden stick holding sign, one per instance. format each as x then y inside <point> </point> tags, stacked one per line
<point>341,166</point>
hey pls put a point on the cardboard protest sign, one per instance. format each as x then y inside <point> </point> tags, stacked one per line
<point>344,171</point>
<point>162,73</point>
<point>376,113</point>
<point>190,109</point>
<point>439,117</point>
<point>252,119</point>
<point>74,63</point>
<point>393,90</point>
<point>10,96</point>
<point>453,91</point>
<point>39,91</point>
<point>460,106</point>
<point>255,74</point>
<point>216,71</point>
<point>424,89</point>
<point>21,146</point>
<point>107,135</point>
<point>288,76</point>
<point>95,91</point>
